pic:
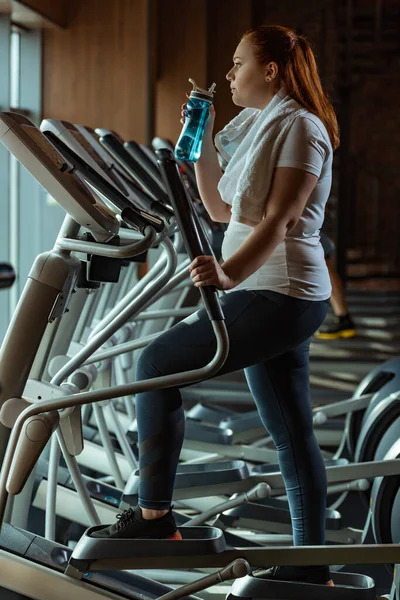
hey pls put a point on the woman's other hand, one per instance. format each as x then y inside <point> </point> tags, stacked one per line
<point>206,270</point>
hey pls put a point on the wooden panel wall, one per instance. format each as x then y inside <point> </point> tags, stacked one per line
<point>95,71</point>
<point>199,44</point>
<point>182,53</point>
<point>227,21</point>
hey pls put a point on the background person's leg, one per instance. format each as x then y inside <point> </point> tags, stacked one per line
<point>342,325</point>
<point>338,298</point>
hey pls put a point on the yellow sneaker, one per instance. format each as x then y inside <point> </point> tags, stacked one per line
<point>342,327</point>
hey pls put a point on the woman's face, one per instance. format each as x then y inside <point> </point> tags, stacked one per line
<point>248,78</point>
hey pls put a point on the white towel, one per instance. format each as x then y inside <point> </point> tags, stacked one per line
<point>250,144</point>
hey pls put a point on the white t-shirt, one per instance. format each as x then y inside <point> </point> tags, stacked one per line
<point>297,266</point>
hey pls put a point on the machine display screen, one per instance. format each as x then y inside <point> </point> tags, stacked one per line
<point>45,146</point>
<point>89,149</point>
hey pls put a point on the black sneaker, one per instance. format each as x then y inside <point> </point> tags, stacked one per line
<point>130,524</point>
<point>317,575</point>
<point>342,327</point>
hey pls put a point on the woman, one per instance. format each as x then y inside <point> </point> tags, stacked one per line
<point>273,193</point>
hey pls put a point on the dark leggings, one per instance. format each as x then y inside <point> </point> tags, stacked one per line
<point>269,336</point>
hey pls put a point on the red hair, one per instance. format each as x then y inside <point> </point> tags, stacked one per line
<point>297,69</point>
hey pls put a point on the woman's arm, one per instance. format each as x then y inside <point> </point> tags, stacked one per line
<point>208,174</point>
<point>290,191</point>
<point>287,199</point>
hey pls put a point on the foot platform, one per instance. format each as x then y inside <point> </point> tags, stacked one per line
<point>258,515</point>
<point>97,554</point>
<point>348,586</point>
<point>268,469</point>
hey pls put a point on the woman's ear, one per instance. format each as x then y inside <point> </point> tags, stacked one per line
<point>271,71</point>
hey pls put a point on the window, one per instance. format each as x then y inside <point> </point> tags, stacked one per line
<point>15,89</point>
<point>20,201</point>
<point>15,68</point>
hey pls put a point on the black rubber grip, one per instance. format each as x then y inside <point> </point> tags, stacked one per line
<point>188,224</point>
<point>204,239</point>
<point>139,219</point>
<point>160,210</point>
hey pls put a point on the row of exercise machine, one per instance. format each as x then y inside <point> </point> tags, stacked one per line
<point>68,436</point>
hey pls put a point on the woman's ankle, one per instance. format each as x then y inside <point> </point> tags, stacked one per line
<point>150,514</point>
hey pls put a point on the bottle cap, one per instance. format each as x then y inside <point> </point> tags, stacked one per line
<point>199,92</point>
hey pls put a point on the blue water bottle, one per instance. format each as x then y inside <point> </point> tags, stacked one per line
<point>188,147</point>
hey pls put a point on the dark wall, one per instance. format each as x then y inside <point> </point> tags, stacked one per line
<point>358,52</point>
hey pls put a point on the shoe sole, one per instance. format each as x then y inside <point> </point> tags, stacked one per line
<point>347,333</point>
<point>176,536</point>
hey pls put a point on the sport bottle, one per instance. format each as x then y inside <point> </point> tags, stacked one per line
<point>188,147</point>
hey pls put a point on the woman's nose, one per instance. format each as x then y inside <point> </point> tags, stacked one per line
<point>229,75</point>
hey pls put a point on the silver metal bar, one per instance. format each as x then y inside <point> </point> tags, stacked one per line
<point>127,251</point>
<point>175,380</point>
<point>120,435</point>
<point>107,445</point>
<point>238,568</point>
<point>119,319</point>
<point>260,491</point>
<point>9,510</point>
<point>121,379</point>
<point>121,349</point>
<point>249,453</point>
<point>341,408</point>
<point>359,485</point>
<point>111,301</point>
<point>179,304</point>
<point>134,293</point>
<point>180,275</point>
<point>84,313</point>
<point>77,480</point>
<point>104,294</point>
<point>51,496</point>
<point>21,504</point>
<point>89,317</point>
<point>129,280</point>
<point>163,313</point>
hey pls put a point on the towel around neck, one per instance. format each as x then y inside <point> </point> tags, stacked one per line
<point>250,144</point>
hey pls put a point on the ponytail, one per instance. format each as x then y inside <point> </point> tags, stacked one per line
<point>298,71</point>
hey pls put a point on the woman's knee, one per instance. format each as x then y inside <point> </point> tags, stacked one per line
<point>149,363</point>
<point>298,438</point>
